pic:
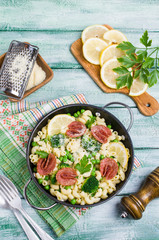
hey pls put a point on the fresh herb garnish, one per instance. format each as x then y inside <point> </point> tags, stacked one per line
<point>83,166</point>
<point>57,140</point>
<point>137,63</point>
<point>90,121</point>
<point>42,154</point>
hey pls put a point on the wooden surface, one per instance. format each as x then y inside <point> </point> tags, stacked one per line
<point>54,26</point>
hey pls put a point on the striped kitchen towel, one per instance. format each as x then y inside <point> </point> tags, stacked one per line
<point>16,123</point>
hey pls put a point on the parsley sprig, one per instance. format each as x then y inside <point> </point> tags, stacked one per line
<point>137,62</point>
<point>84,165</point>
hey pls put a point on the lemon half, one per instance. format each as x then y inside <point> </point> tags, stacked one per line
<point>121,153</point>
<point>59,123</point>
<point>138,87</point>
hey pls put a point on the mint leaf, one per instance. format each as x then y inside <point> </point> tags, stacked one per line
<point>83,166</point>
<point>121,70</point>
<point>154,76</point>
<point>144,39</point>
<point>126,61</point>
<point>127,46</point>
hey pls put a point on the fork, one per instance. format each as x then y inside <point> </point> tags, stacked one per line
<point>13,199</point>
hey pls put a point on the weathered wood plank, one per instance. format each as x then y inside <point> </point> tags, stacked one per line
<point>72,81</point>
<point>55,46</point>
<point>76,15</point>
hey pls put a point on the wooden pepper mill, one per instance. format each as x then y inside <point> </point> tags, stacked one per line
<point>135,204</point>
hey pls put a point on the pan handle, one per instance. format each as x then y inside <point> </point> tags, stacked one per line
<point>26,198</point>
<point>128,108</point>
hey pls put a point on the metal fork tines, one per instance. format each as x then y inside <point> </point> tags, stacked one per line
<point>13,199</point>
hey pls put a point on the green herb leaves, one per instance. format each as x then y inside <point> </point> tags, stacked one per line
<point>137,63</point>
<point>145,40</point>
<point>83,166</point>
<point>42,154</point>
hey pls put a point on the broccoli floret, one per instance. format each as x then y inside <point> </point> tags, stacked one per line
<point>90,145</point>
<point>57,140</point>
<point>90,185</point>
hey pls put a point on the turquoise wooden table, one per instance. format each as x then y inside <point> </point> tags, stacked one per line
<point>54,26</point>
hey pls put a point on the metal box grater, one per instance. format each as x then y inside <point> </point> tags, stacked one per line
<point>16,68</point>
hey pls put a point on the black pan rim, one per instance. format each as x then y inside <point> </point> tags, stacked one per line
<point>65,202</point>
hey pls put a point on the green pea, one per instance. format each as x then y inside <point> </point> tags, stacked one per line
<point>40,180</point>
<point>115,140</point>
<point>61,158</point>
<point>94,154</point>
<point>45,140</point>
<point>72,159</point>
<point>93,161</point>
<point>35,169</point>
<point>75,115</point>
<point>73,201</point>
<point>97,161</point>
<point>46,178</point>
<point>34,144</point>
<point>82,110</point>
<point>118,164</point>
<point>67,152</point>
<point>89,156</point>
<point>111,156</point>
<point>102,157</point>
<point>93,173</point>
<point>109,126</point>
<point>68,187</point>
<point>78,112</point>
<point>69,114</point>
<point>69,156</point>
<point>47,187</point>
<point>65,158</point>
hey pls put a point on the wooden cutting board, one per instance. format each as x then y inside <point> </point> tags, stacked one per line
<point>145,102</point>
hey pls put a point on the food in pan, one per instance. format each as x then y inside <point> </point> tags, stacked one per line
<point>79,158</point>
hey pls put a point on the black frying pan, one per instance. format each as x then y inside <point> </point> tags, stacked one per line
<point>110,119</point>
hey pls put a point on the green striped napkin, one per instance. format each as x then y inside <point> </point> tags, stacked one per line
<point>16,123</point>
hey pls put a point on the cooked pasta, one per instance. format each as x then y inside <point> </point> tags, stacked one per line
<point>72,152</point>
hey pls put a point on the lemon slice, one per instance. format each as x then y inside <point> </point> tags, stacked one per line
<point>114,36</point>
<point>58,124</point>
<point>92,49</point>
<point>110,52</point>
<point>107,74</point>
<point>94,31</point>
<point>121,153</point>
<point>138,87</point>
